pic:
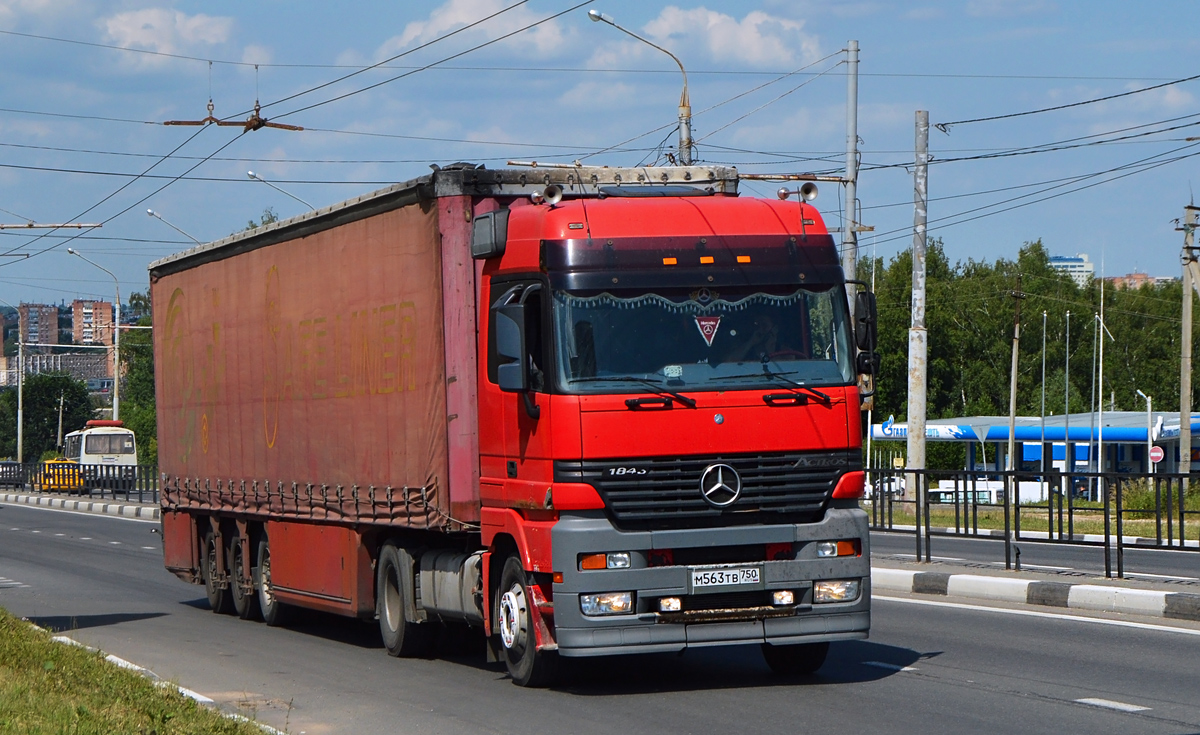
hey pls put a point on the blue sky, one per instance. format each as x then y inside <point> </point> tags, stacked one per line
<point>79,118</point>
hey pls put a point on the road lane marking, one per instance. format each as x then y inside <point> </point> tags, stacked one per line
<point>1036,566</point>
<point>1161,576</point>
<point>1034,614</point>
<point>1110,704</point>
<point>935,558</point>
<point>86,538</point>
<point>105,515</point>
<point>889,667</point>
<point>35,531</point>
<point>115,543</point>
<point>11,584</point>
<point>151,548</point>
<point>60,534</point>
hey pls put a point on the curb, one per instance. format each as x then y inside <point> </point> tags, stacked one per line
<point>1176,605</point>
<point>124,510</point>
<point>1097,538</point>
<point>160,682</point>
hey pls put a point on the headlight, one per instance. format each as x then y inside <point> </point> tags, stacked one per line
<point>783,597</point>
<point>669,604</point>
<point>609,603</point>
<point>836,590</point>
<point>615,560</point>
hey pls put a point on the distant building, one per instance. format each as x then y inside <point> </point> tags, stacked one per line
<point>1137,280</point>
<point>39,323</point>
<point>91,322</point>
<point>1077,266</point>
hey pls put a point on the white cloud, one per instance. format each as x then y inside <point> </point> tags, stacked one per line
<point>166,31</point>
<point>254,54</point>
<point>11,10</point>
<point>544,39</point>
<point>924,13</point>
<point>590,95</point>
<point>758,39</point>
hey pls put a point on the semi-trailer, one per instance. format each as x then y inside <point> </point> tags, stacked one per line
<point>580,410</point>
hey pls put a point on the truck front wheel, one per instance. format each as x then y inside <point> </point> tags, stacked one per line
<point>218,595</point>
<point>527,666</point>
<point>273,611</point>
<point>400,636</point>
<point>795,660</point>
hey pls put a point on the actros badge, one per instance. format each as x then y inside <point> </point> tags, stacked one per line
<point>720,485</point>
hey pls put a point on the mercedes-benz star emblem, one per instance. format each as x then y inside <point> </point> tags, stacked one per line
<point>720,485</point>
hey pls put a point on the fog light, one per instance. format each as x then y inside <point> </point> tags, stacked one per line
<point>783,597</point>
<point>669,604</point>
<point>836,590</point>
<point>619,560</point>
<point>608,603</point>
<point>827,548</point>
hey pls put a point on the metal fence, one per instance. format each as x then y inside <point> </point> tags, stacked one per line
<point>1111,510</point>
<point>101,481</point>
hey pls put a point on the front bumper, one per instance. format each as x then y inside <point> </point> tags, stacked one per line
<point>647,630</point>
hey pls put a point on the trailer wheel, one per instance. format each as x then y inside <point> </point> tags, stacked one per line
<point>401,637</point>
<point>273,611</point>
<point>218,597</point>
<point>245,604</point>
<point>527,666</point>
<point>795,660</point>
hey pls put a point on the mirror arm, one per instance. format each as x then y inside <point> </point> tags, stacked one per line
<point>532,410</point>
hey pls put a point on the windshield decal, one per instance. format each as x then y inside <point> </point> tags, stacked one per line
<point>708,327</point>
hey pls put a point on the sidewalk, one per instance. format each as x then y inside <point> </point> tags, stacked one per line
<point>122,508</point>
<point>1179,600</point>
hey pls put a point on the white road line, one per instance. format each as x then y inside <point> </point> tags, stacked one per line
<point>86,538</point>
<point>889,667</point>
<point>935,558</point>
<point>99,515</point>
<point>14,529</point>
<point>1034,614</point>
<point>115,543</point>
<point>151,548</point>
<point>60,534</point>
<point>1036,566</point>
<point>1161,576</point>
<point>1110,704</point>
<point>35,531</point>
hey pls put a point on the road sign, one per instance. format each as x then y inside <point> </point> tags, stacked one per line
<point>1156,454</point>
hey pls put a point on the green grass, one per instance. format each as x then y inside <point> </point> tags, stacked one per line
<point>55,689</point>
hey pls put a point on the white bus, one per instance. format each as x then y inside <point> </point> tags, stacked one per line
<point>107,452</point>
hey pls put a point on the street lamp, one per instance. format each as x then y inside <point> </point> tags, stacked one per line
<point>20,388</point>
<point>256,177</point>
<point>685,105</point>
<point>158,216</point>
<point>116,332</point>
<point>1149,432</point>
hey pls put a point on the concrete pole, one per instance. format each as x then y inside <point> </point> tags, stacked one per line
<point>1149,433</point>
<point>918,338</point>
<point>1012,497</point>
<point>1185,355</point>
<point>117,354</point>
<point>1068,457</point>
<point>850,221</point>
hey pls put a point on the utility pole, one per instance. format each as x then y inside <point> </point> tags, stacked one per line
<point>1185,354</point>
<point>850,222</point>
<point>61,397</point>
<point>1012,496</point>
<point>1068,456</point>
<point>918,338</point>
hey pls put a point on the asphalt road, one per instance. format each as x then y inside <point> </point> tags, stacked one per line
<point>1158,565</point>
<point>931,666</point>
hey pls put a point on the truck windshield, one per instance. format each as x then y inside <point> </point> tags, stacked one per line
<point>701,339</point>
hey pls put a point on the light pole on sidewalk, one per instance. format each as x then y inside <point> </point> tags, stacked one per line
<point>116,414</point>
<point>20,388</point>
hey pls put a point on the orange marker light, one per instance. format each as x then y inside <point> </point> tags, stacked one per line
<point>593,561</point>
<point>743,258</point>
<point>706,258</point>
<point>558,578</point>
<point>670,261</point>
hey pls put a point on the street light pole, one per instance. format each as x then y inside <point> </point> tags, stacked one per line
<point>157,216</point>
<point>256,177</point>
<point>116,414</point>
<point>685,104</point>
<point>20,388</point>
<point>1149,432</point>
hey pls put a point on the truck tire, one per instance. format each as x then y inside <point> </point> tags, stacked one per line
<point>795,660</point>
<point>273,611</point>
<point>527,666</point>
<point>245,603</point>
<point>218,597</point>
<point>401,637</point>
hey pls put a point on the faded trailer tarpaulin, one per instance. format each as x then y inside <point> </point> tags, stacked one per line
<point>306,377</point>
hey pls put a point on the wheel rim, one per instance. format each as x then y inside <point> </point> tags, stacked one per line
<point>212,565</point>
<point>512,614</point>
<point>235,558</point>
<point>264,565</point>
<point>391,600</point>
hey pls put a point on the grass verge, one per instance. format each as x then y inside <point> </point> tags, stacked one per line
<point>1037,519</point>
<point>47,687</point>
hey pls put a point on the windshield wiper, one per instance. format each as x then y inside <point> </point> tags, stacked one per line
<point>768,373</point>
<point>654,385</point>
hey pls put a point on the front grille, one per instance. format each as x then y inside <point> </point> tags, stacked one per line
<point>653,493</point>
<point>726,601</point>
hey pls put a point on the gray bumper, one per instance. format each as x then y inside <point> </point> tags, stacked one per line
<point>646,630</point>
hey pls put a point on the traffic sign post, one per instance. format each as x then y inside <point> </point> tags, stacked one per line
<point>1156,454</point>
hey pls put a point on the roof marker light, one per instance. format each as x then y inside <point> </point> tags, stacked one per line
<point>743,258</point>
<point>670,261</point>
<point>706,258</point>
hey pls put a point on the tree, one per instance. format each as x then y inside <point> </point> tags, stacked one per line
<point>268,217</point>
<point>138,409</point>
<point>42,393</point>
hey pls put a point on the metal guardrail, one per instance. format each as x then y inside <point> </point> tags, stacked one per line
<point>1101,509</point>
<point>101,481</point>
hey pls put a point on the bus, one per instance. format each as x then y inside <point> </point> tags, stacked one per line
<point>107,453</point>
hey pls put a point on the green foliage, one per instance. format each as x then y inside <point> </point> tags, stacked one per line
<point>268,217</point>
<point>137,388</point>
<point>42,394</point>
<point>970,311</point>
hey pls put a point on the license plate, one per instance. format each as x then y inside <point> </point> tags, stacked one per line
<point>725,577</point>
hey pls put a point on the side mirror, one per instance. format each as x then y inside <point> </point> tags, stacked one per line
<point>512,375</point>
<point>866,317</point>
<point>489,234</point>
<point>867,363</point>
